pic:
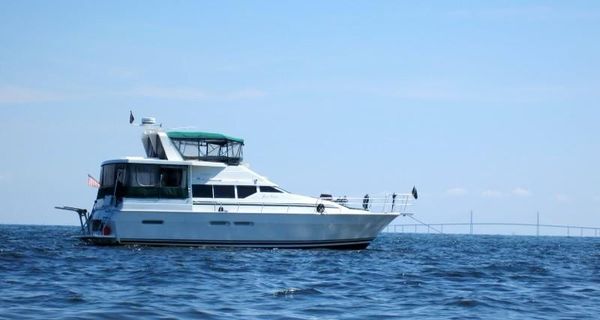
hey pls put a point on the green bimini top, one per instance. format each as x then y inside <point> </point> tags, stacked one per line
<point>199,135</point>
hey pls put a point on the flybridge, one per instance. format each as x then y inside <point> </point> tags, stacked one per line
<point>207,146</point>
<point>193,145</point>
<point>207,136</point>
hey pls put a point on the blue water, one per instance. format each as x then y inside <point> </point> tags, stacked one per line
<point>46,273</point>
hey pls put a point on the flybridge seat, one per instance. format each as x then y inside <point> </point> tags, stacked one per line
<point>207,146</point>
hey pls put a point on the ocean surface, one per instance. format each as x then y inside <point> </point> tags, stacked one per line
<point>47,273</point>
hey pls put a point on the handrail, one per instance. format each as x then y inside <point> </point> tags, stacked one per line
<point>389,203</point>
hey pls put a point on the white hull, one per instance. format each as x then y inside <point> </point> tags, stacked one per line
<point>192,188</point>
<point>269,230</point>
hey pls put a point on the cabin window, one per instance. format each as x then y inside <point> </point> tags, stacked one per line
<point>202,191</point>
<point>144,181</point>
<point>144,176</point>
<point>191,149</point>
<point>171,177</point>
<point>224,191</point>
<point>108,175</point>
<point>245,191</point>
<point>269,189</point>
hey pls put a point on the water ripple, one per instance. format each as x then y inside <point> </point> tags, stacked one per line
<point>47,273</point>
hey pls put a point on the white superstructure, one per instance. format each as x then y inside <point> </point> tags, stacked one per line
<point>193,189</point>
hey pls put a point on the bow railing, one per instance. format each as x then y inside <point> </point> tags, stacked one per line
<point>387,203</point>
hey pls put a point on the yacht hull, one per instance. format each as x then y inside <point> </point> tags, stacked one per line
<point>337,231</point>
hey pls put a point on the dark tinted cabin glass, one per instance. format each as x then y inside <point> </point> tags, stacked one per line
<point>268,189</point>
<point>144,175</point>
<point>224,191</point>
<point>171,177</point>
<point>245,191</point>
<point>107,178</point>
<point>202,191</point>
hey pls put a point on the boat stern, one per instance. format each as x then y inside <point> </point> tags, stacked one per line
<point>100,227</point>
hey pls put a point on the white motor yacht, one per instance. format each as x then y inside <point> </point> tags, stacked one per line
<point>193,189</point>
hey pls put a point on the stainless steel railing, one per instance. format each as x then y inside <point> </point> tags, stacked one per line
<point>387,203</point>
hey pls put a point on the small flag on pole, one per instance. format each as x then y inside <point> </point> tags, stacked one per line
<point>93,182</point>
<point>131,117</point>
<point>414,193</point>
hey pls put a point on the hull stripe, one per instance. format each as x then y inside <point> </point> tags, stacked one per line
<point>350,243</point>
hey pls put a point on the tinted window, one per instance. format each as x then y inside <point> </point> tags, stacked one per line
<point>224,191</point>
<point>107,178</point>
<point>268,189</point>
<point>144,175</point>
<point>202,191</point>
<point>245,191</point>
<point>172,177</point>
<point>109,174</point>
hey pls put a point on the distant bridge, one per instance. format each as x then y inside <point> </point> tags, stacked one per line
<point>472,228</point>
<point>567,230</point>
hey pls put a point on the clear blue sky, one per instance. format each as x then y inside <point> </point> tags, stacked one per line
<point>491,106</point>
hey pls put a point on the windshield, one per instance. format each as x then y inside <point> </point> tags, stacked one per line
<point>228,151</point>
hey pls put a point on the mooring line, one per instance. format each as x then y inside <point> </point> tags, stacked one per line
<point>425,224</point>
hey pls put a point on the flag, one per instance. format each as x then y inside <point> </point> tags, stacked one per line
<point>414,193</point>
<point>93,182</point>
<point>131,118</point>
